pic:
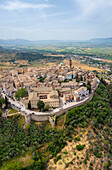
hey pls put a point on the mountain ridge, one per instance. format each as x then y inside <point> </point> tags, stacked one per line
<point>18,41</point>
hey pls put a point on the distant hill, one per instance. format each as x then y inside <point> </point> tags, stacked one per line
<point>17,42</point>
<point>27,42</point>
<point>1,48</point>
<point>102,40</point>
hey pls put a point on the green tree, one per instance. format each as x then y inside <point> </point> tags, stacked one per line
<point>0,113</point>
<point>80,147</point>
<point>106,164</point>
<point>40,105</point>
<point>89,86</point>
<point>42,79</point>
<point>1,102</point>
<point>47,108</point>
<point>76,77</point>
<point>29,105</point>
<point>6,102</point>
<point>20,93</point>
<point>81,78</point>
<point>14,166</point>
<point>103,81</point>
<point>109,88</point>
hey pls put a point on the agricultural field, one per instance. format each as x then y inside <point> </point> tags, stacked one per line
<point>77,64</point>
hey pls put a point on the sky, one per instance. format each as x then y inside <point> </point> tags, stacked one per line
<point>55,19</point>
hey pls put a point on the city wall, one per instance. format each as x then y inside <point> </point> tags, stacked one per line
<point>77,105</point>
<point>51,117</point>
<point>48,117</point>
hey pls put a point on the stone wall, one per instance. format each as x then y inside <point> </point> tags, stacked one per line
<point>46,117</point>
<point>77,105</point>
<point>40,118</point>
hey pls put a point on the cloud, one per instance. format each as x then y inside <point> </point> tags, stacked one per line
<point>53,14</point>
<point>17,5</point>
<point>88,9</point>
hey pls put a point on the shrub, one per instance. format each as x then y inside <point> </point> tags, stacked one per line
<point>106,164</point>
<point>80,147</point>
<point>57,158</point>
<point>65,152</point>
<point>76,139</point>
<point>69,139</point>
<point>85,161</point>
<point>106,142</point>
<point>91,163</point>
<point>0,113</point>
<point>13,166</point>
<point>74,153</point>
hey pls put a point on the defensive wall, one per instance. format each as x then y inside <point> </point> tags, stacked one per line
<point>51,117</point>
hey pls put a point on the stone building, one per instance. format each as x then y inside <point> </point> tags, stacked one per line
<point>46,94</point>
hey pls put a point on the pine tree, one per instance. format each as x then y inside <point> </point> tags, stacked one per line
<point>29,105</point>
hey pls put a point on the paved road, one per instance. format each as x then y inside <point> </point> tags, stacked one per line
<point>21,107</point>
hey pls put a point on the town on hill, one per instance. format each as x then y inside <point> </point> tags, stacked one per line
<point>47,91</point>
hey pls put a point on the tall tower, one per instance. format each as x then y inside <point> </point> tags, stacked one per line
<point>70,62</point>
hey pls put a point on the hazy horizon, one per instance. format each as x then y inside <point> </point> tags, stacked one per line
<point>66,20</point>
<point>55,39</point>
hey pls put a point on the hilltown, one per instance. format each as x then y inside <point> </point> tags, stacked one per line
<point>56,85</point>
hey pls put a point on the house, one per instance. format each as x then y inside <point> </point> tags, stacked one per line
<point>52,99</point>
<point>74,74</point>
<point>13,73</point>
<point>47,95</point>
<point>71,84</point>
<point>33,99</point>
<point>68,97</point>
<point>76,97</point>
<point>82,92</point>
<point>69,75</point>
<point>61,78</point>
<point>65,85</point>
<point>49,74</point>
<point>94,82</point>
<point>10,91</point>
<point>64,91</point>
<point>56,86</point>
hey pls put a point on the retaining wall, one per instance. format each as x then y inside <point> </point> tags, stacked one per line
<point>39,118</point>
<point>46,117</point>
<point>76,105</point>
<point>42,117</point>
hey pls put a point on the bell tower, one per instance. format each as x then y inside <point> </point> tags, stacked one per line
<point>70,63</point>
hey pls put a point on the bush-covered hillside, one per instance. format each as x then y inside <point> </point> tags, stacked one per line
<point>40,143</point>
